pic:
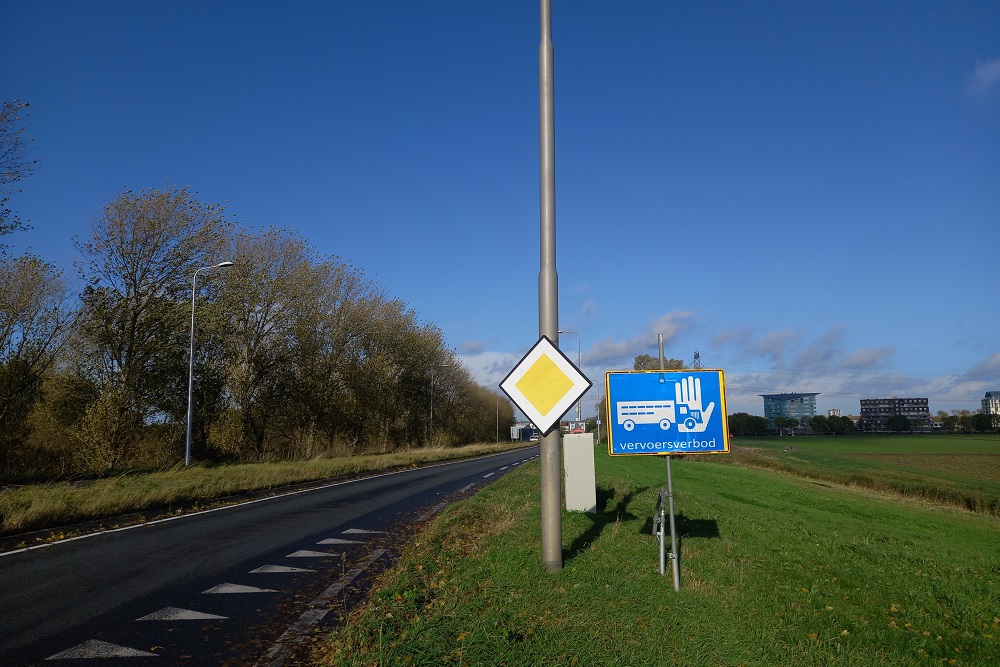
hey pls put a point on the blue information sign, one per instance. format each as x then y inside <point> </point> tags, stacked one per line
<point>666,412</point>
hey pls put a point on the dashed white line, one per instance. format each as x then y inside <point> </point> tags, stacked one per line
<point>278,569</point>
<point>228,589</point>
<point>95,648</point>
<point>177,614</point>
<point>337,540</point>
<point>311,554</point>
<point>320,607</point>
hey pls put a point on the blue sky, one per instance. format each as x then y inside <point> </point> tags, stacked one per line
<point>806,193</point>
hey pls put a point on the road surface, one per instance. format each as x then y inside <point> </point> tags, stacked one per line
<point>238,585</point>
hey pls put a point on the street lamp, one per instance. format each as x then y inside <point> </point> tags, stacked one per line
<point>432,400</point>
<point>579,406</point>
<point>194,284</point>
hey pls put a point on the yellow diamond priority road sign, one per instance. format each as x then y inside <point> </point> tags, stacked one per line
<point>544,385</point>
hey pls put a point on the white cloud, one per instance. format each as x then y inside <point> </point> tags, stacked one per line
<point>490,368</point>
<point>588,314</point>
<point>988,369</point>
<point>472,346</point>
<point>823,351</point>
<point>985,79</point>
<point>621,354</point>
<point>867,358</point>
<point>739,337</point>
<point>775,344</point>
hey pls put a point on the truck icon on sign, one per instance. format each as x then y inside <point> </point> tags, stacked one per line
<point>664,413</point>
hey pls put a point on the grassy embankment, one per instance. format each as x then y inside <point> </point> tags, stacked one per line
<point>956,470</point>
<point>30,507</point>
<point>775,570</point>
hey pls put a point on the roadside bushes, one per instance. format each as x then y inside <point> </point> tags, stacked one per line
<point>294,354</point>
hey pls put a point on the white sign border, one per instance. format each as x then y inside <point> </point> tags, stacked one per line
<point>581,384</point>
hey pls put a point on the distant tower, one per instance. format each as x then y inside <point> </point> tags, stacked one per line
<point>697,359</point>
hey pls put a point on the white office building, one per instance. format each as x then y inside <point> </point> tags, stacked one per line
<point>991,404</point>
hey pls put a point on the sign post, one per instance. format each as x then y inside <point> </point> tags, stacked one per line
<point>544,385</point>
<point>662,413</point>
<point>548,284</point>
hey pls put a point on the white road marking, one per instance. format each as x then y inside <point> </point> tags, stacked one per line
<point>177,614</point>
<point>337,540</point>
<point>311,554</point>
<point>95,648</point>
<point>278,569</point>
<point>179,517</point>
<point>319,608</point>
<point>504,468</point>
<point>361,531</point>
<point>226,589</point>
<point>489,475</point>
<point>466,487</point>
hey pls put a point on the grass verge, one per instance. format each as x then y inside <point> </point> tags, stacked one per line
<point>37,506</point>
<point>959,471</point>
<point>775,570</point>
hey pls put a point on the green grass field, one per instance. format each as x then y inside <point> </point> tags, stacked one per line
<point>958,470</point>
<point>776,569</point>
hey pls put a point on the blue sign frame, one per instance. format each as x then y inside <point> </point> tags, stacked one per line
<point>656,413</point>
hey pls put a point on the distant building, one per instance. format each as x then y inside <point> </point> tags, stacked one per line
<point>991,404</point>
<point>875,413</point>
<point>834,412</point>
<point>524,431</point>
<point>790,406</point>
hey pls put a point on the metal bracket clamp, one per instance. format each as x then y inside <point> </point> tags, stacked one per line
<point>658,512</point>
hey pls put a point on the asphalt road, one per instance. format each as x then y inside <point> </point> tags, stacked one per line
<point>239,585</point>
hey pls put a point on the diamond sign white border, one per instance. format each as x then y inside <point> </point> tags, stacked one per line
<point>545,422</point>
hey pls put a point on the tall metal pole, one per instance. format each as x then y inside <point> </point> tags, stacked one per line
<point>548,291</point>
<point>675,564</point>
<point>579,405</point>
<point>194,285</point>
<point>597,420</point>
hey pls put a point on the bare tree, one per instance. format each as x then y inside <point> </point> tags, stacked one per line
<point>265,296</point>
<point>33,322</point>
<point>132,339</point>
<point>15,162</point>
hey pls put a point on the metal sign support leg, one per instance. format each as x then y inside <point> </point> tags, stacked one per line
<point>674,563</point>
<point>670,496</point>
<point>659,514</point>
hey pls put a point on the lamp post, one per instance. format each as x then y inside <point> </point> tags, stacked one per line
<point>548,289</point>
<point>432,400</point>
<point>194,285</point>
<point>579,405</point>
